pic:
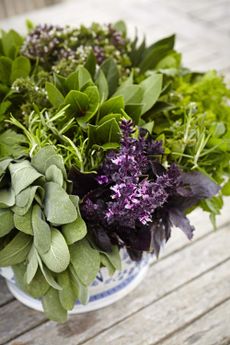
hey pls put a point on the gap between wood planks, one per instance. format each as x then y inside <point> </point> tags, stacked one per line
<point>160,276</point>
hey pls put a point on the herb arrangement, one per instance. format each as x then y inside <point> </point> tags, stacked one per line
<point>105,143</point>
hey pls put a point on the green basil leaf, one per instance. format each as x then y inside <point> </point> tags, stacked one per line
<point>79,103</point>
<point>59,209</point>
<point>11,43</point>
<point>15,251</point>
<point>54,95</point>
<point>57,258</point>
<point>5,69</point>
<point>41,231</point>
<point>112,105</point>
<point>109,67</point>
<point>108,131</point>
<point>130,93</point>
<point>151,91</point>
<point>102,85</point>
<point>52,306</point>
<point>85,261</point>
<point>21,68</point>
<point>90,63</point>
<point>226,189</point>
<point>7,221</point>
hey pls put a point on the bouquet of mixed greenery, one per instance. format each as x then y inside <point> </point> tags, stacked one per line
<point>105,143</point>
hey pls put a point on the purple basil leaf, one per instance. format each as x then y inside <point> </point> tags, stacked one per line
<point>81,183</point>
<point>100,238</point>
<point>178,219</point>
<point>200,185</point>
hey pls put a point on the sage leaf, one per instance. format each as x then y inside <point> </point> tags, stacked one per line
<point>85,261</point>
<point>7,198</point>
<point>69,293</point>
<point>7,221</point>
<point>54,95</point>
<point>46,157</point>
<point>38,286</point>
<point>57,258</point>
<point>32,265</point>
<point>106,263</point>
<point>48,275</point>
<point>52,306</point>
<point>16,250</point>
<point>59,209</point>
<point>114,257</point>
<point>83,292</point>
<point>76,230</point>
<point>25,199</point>
<point>22,175</point>
<point>54,174</point>
<point>41,231</point>
<point>24,223</point>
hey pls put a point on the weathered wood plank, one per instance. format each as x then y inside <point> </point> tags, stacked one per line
<point>15,318</point>
<point>212,328</point>
<point>164,277</point>
<point>5,295</point>
<point>152,324</point>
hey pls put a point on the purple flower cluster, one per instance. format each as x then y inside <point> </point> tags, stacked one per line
<point>134,197</point>
<point>136,200</point>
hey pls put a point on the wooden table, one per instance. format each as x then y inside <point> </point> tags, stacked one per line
<point>185,298</point>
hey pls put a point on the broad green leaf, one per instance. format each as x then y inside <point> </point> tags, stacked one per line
<point>102,85</point>
<point>48,275</point>
<point>54,174</point>
<point>46,157</point>
<point>226,189</point>
<point>5,70</point>
<point>54,95</point>
<point>4,106</point>
<point>69,293</point>
<point>84,78</point>
<point>7,198</point>
<point>114,257</point>
<point>108,131</point>
<point>41,231</point>
<point>93,95</point>
<point>79,103</point>
<point>16,250</point>
<point>121,27</point>
<point>12,144</point>
<point>131,93</point>
<point>22,175</point>
<point>59,209</point>
<point>111,73</point>
<point>105,118</point>
<point>52,306</point>
<point>106,263</point>
<point>57,258</point>
<point>38,286</point>
<point>112,105</point>
<point>151,91</point>
<point>32,265</point>
<point>149,126</point>
<point>4,165</point>
<point>134,111</point>
<point>25,199</point>
<point>85,261</point>
<point>75,231</point>
<point>24,223</point>
<point>90,63</point>
<point>7,221</point>
<point>83,292</point>
<point>20,68</point>
<point>11,42</point>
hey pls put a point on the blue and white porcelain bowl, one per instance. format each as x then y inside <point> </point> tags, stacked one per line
<point>104,291</point>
